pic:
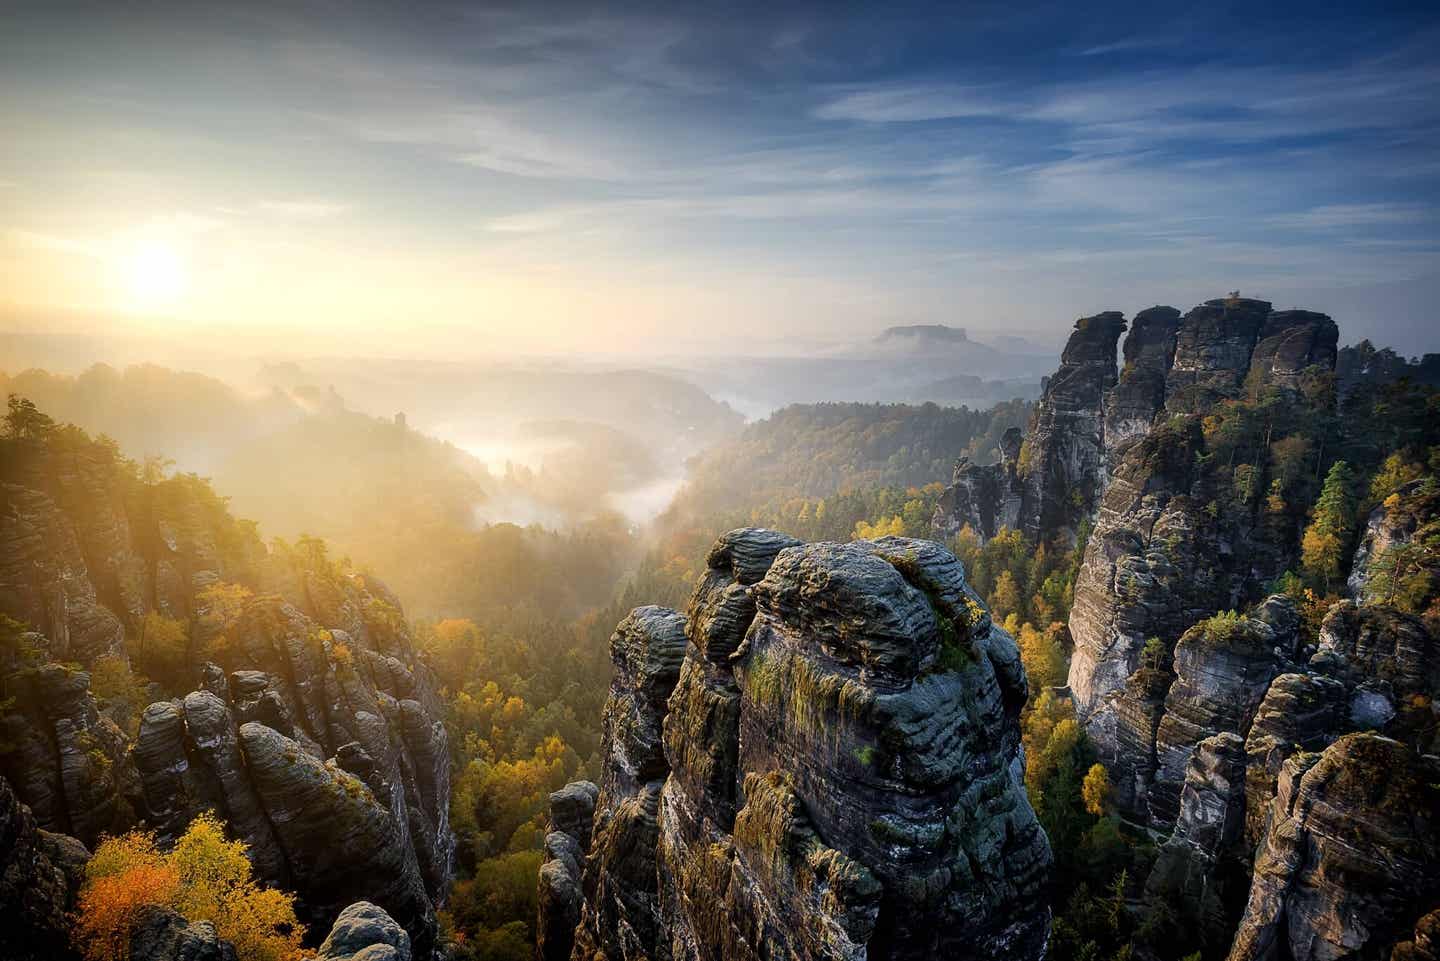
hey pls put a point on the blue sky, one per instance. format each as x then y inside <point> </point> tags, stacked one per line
<point>649,178</point>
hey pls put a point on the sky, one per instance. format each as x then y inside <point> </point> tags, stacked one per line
<point>468,179</point>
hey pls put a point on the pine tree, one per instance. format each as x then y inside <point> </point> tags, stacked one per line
<point>1327,539</point>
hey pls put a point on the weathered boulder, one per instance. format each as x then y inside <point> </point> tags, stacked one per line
<point>161,934</point>
<point>1351,857</point>
<point>365,932</point>
<point>40,874</point>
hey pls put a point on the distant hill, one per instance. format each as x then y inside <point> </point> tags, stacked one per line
<point>924,334</point>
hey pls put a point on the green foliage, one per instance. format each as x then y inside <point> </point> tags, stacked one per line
<point>25,422</point>
<point>160,649</point>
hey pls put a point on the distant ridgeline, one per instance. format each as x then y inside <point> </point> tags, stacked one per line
<point>284,695</point>
<point>819,758</point>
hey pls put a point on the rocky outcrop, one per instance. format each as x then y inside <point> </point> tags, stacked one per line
<point>620,915</point>
<point>1393,527</point>
<point>1213,348</point>
<point>560,896</point>
<point>333,831</point>
<point>1425,944</point>
<point>1301,712</point>
<point>1291,342</point>
<point>1139,393</point>
<point>1204,860</point>
<point>40,874</point>
<point>1223,667</point>
<point>1351,857</point>
<point>1389,662</point>
<point>986,498</point>
<point>1063,459</point>
<point>160,934</point>
<point>319,742</point>
<point>67,761</point>
<point>1153,566</point>
<point>44,581</point>
<point>843,780</point>
<point>365,932</point>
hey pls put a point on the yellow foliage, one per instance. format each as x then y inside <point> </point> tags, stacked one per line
<point>1095,790</point>
<point>204,878</point>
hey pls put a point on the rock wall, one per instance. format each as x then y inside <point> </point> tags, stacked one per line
<point>839,775</point>
<point>1063,460</point>
<point>1351,858</point>
<point>319,742</point>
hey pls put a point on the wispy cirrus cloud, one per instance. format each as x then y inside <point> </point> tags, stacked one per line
<point>910,103</point>
<point>303,209</point>
<point>1345,216</point>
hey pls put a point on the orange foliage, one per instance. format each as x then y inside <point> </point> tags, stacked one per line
<point>110,905</point>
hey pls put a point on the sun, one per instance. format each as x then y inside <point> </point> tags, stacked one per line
<point>153,275</point>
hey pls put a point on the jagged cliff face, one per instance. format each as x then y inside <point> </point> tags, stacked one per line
<point>1351,857</point>
<point>1229,734</point>
<point>1063,462</point>
<point>836,773</point>
<point>1161,557</point>
<point>319,744</point>
<point>1140,390</point>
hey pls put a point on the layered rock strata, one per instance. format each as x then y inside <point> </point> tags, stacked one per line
<point>1351,857</point>
<point>841,773</point>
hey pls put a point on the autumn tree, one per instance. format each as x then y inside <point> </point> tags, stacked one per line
<point>204,878</point>
<point>1095,790</point>
<point>1325,541</point>
<point>161,648</point>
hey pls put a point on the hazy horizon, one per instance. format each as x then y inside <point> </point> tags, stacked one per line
<point>465,181</point>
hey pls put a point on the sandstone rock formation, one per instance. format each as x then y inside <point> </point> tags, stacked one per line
<point>1292,341</point>
<point>620,916</point>
<point>1139,392</point>
<point>319,741</point>
<point>1351,859</point>
<point>560,895</point>
<point>1213,348</point>
<point>40,874</point>
<point>161,934</point>
<point>1063,460</point>
<point>364,932</point>
<point>1205,854</point>
<point>67,760</point>
<point>983,497</point>
<point>1223,668</point>
<point>839,774</point>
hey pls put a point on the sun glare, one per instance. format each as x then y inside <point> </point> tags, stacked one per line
<point>153,275</point>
